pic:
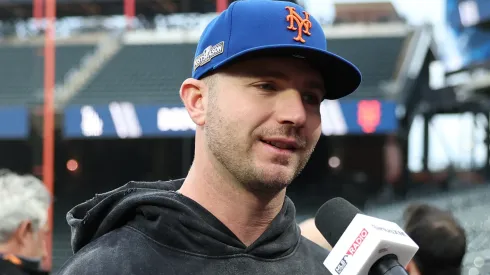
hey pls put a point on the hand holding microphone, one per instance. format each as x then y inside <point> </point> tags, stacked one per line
<point>362,245</point>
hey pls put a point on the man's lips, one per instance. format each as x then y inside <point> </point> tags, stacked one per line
<point>283,143</point>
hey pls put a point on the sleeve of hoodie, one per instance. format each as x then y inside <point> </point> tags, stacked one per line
<point>93,260</point>
<point>114,253</point>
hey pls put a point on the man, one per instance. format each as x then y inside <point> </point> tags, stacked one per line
<point>260,73</point>
<point>24,203</point>
<point>441,241</point>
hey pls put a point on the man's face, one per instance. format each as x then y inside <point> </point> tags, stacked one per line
<point>34,242</point>
<point>263,120</point>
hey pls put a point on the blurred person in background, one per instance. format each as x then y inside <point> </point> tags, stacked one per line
<point>261,71</point>
<point>309,231</point>
<point>24,203</point>
<point>441,240</point>
<point>393,156</point>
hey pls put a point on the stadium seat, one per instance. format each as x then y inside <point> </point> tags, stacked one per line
<point>154,73</point>
<point>376,57</point>
<point>21,73</point>
<point>141,74</point>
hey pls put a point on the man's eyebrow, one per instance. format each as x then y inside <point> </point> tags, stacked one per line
<point>310,84</point>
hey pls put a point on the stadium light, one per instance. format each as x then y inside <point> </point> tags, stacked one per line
<point>72,165</point>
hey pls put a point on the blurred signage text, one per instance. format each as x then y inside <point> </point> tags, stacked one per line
<point>126,120</point>
<point>14,122</point>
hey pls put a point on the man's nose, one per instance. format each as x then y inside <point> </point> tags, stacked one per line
<point>290,108</point>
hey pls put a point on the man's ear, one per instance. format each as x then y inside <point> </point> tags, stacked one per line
<point>192,93</point>
<point>24,229</point>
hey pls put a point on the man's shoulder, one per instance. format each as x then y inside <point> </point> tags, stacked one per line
<point>117,251</point>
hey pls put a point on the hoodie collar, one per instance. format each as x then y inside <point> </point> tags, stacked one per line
<point>156,209</point>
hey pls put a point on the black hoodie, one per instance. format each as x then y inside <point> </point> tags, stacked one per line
<point>17,265</point>
<point>149,228</point>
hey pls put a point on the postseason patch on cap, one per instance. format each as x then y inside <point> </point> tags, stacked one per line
<point>208,54</point>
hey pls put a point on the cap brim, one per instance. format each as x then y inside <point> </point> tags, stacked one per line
<point>341,77</point>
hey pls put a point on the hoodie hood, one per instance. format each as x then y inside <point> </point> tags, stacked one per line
<point>173,220</point>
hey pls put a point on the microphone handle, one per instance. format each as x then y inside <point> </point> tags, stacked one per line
<point>387,265</point>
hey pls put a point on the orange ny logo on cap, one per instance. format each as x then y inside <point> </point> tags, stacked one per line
<point>303,24</point>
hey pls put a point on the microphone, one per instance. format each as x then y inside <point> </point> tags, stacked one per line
<point>362,245</point>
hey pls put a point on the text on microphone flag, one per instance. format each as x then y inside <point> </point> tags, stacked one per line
<point>357,242</point>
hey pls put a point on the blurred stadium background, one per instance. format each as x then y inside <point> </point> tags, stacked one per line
<point>416,130</point>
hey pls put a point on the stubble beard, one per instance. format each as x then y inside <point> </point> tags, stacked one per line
<point>224,142</point>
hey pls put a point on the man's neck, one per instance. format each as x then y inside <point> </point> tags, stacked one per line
<point>244,213</point>
<point>8,248</point>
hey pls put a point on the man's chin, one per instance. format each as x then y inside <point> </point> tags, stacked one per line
<point>267,188</point>
<point>272,182</point>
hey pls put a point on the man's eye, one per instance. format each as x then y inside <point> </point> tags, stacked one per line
<point>267,86</point>
<point>311,98</point>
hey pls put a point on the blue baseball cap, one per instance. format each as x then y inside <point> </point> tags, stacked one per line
<point>272,28</point>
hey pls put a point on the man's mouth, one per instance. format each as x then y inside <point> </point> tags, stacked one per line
<point>283,144</point>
